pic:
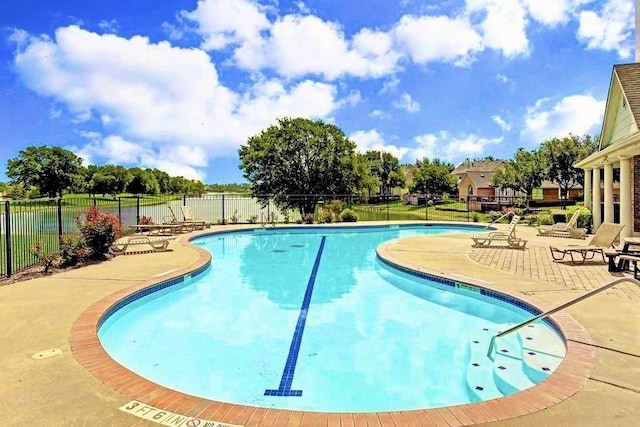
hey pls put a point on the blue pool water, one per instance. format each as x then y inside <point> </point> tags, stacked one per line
<point>307,318</point>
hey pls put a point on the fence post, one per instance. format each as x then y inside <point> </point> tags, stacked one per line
<point>184,199</point>
<point>95,203</point>
<point>426,208</point>
<point>223,218</point>
<point>7,226</point>
<point>387,199</point>
<point>138,209</point>
<point>59,218</point>
<point>120,211</point>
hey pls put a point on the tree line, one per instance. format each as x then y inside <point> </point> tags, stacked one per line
<point>52,171</point>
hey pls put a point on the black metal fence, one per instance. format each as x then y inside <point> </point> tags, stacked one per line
<point>26,223</point>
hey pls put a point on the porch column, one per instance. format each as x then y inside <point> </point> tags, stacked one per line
<point>597,200</point>
<point>625,197</point>
<point>586,191</point>
<point>608,192</point>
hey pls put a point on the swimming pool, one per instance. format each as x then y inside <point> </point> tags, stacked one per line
<point>309,318</point>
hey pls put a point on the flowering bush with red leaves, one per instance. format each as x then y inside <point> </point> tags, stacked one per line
<point>99,230</point>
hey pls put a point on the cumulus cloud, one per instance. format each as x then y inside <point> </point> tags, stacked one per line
<point>444,146</point>
<point>372,140</point>
<point>503,25</point>
<point>502,123</point>
<point>611,29</point>
<point>159,96</point>
<point>553,12</point>
<point>438,38</point>
<point>407,103</point>
<point>575,114</point>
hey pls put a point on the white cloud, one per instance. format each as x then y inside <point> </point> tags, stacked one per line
<point>225,22</point>
<point>372,140</point>
<point>407,103</point>
<point>503,26</point>
<point>161,97</point>
<point>390,85</point>
<point>553,12</point>
<point>172,31</point>
<point>450,148</point>
<point>438,38</point>
<point>379,114</point>
<point>575,114</point>
<point>503,78</point>
<point>502,123</point>
<point>612,29</point>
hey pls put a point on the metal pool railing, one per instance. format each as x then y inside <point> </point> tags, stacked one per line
<point>44,221</point>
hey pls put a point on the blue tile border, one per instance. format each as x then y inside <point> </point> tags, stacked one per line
<point>483,291</point>
<point>150,290</point>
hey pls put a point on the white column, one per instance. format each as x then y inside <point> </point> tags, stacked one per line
<point>597,200</point>
<point>586,190</point>
<point>626,217</point>
<point>608,192</point>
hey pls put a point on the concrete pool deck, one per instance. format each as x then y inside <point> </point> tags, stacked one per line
<point>46,313</point>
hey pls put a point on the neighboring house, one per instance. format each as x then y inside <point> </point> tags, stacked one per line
<point>619,149</point>
<point>474,179</point>
<point>550,191</point>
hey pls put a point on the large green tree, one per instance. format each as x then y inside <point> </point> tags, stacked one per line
<point>50,169</point>
<point>560,154</point>
<point>433,177</point>
<point>299,156</point>
<point>523,173</point>
<point>386,167</point>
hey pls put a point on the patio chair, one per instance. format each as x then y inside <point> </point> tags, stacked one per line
<point>508,236</point>
<point>186,225</point>
<point>602,240</point>
<point>139,244</point>
<point>564,229</point>
<point>190,217</point>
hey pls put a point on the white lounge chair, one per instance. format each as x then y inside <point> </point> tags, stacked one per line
<point>564,229</point>
<point>509,237</point>
<point>139,244</point>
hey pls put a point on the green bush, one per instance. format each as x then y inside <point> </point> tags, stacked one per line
<point>348,215</point>
<point>544,218</point>
<point>72,251</point>
<point>584,220</point>
<point>308,218</point>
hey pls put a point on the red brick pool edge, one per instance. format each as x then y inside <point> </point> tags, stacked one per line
<point>569,378</point>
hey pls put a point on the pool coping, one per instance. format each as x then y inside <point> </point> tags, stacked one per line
<point>569,378</point>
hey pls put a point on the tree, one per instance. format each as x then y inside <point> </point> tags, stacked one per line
<point>143,182</point>
<point>433,177</point>
<point>299,156</point>
<point>525,172</point>
<point>386,167</point>
<point>50,169</point>
<point>561,154</point>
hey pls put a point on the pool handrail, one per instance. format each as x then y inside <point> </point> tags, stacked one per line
<point>555,310</point>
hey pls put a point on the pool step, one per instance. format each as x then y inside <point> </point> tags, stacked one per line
<point>541,354</point>
<point>480,383</point>
<point>521,360</point>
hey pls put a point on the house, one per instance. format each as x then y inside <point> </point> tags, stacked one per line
<point>474,179</point>
<point>619,149</point>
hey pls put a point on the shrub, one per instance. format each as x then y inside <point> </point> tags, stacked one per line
<point>335,207</point>
<point>47,261</point>
<point>287,216</point>
<point>72,251</point>
<point>348,215</point>
<point>99,230</point>
<point>475,217</point>
<point>584,220</point>
<point>234,218</point>
<point>253,219</point>
<point>308,218</point>
<point>327,216</point>
<point>544,218</point>
<point>145,220</point>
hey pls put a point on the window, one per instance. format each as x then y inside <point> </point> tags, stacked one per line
<point>537,194</point>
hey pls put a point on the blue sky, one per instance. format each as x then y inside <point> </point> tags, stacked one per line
<point>181,84</point>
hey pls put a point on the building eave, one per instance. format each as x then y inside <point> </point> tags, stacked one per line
<point>626,147</point>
